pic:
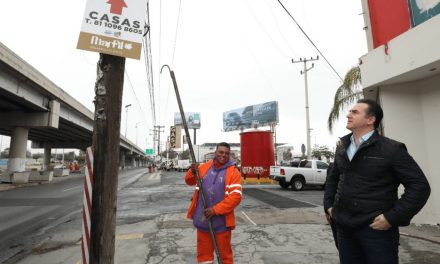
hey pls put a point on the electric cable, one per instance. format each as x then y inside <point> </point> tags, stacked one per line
<point>264,30</point>
<point>305,34</point>
<point>172,60</point>
<point>135,95</point>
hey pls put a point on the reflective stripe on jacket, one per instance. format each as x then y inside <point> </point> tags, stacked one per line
<point>232,196</point>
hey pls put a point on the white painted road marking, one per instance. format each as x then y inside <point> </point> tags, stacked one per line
<point>72,188</point>
<point>154,176</point>
<point>248,218</point>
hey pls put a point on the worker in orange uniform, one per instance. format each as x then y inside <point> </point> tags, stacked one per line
<point>223,190</point>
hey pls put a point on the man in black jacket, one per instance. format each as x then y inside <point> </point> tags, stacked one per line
<point>361,191</point>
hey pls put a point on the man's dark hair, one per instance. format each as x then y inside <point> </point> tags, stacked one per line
<point>223,144</point>
<point>374,109</point>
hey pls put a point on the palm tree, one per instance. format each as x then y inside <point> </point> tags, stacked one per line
<point>349,92</point>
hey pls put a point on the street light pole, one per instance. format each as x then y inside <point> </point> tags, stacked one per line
<point>307,99</point>
<point>126,118</point>
<point>137,133</point>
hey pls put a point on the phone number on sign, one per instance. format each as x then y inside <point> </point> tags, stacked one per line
<point>118,27</point>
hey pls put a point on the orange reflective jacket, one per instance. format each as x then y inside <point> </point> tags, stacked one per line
<point>232,197</point>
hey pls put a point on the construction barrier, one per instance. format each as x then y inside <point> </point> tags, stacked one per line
<point>87,206</point>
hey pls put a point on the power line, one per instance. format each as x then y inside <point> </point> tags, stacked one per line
<point>160,42</point>
<point>149,67</point>
<point>278,27</point>
<point>177,30</point>
<point>147,70</point>
<point>135,95</point>
<point>172,61</point>
<point>305,34</point>
<point>264,30</point>
<point>174,51</point>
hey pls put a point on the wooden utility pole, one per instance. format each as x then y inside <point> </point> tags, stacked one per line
<point>106,137</point>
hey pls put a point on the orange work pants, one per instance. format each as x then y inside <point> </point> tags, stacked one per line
<point>205,247</point>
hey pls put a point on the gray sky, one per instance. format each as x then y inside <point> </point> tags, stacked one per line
<point>226,55</point>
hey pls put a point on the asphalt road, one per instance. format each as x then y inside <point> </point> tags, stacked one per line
<point>273,225</point>
<point>27,213</point>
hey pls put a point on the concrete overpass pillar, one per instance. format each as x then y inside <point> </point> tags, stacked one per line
<point>121,159</point>
<point>46,165</point>
<point>17,152</point>
<point>133,161</point>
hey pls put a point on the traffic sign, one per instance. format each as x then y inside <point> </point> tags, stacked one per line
<point>149,151</point>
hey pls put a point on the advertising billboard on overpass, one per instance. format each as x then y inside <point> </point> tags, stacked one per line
<point>264,114</point>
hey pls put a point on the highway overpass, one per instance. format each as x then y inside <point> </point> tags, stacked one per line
<point>33,108</point>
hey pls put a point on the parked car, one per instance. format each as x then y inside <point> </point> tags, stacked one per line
<point>167,165</point>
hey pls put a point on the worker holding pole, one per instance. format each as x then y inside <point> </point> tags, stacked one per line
<point>221,182</point>
<point>228,180</point>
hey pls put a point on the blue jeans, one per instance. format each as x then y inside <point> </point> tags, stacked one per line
<point>368,246</point>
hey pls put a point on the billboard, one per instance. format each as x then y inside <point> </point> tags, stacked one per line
<point>192,119</point>
<point>251,116</point>
<point>422,10</point>
<point>172,137</point>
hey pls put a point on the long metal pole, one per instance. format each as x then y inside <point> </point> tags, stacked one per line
<point>307,111</point>
<point>126,121</point>
<point>193,157</point>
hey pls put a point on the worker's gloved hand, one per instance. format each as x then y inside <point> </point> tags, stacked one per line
<point>209,212</point>
<point>194,167</point>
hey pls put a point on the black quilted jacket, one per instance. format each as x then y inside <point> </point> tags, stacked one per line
<point>361,189</point>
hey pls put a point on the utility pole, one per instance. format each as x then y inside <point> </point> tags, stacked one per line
<point>157,130</point>
<point>274,131</point>
<point>106,141</point>
<point>304,60</point>
<point>154,139</point>
<point>168,147</point>
<point>126,118</point>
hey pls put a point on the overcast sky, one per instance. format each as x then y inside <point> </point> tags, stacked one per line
<point>226,55</point>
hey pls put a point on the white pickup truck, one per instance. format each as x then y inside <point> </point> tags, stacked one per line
<point>182,165</point>
<point>300,173</point>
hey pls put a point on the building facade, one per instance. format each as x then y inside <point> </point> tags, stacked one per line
<point>402,72</point>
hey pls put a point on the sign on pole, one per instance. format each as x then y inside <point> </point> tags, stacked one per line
<point>113,27</point>
<point>173,137</point>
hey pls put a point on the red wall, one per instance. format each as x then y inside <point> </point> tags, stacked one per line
<point>257,153</point>
<point>389,19</point>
